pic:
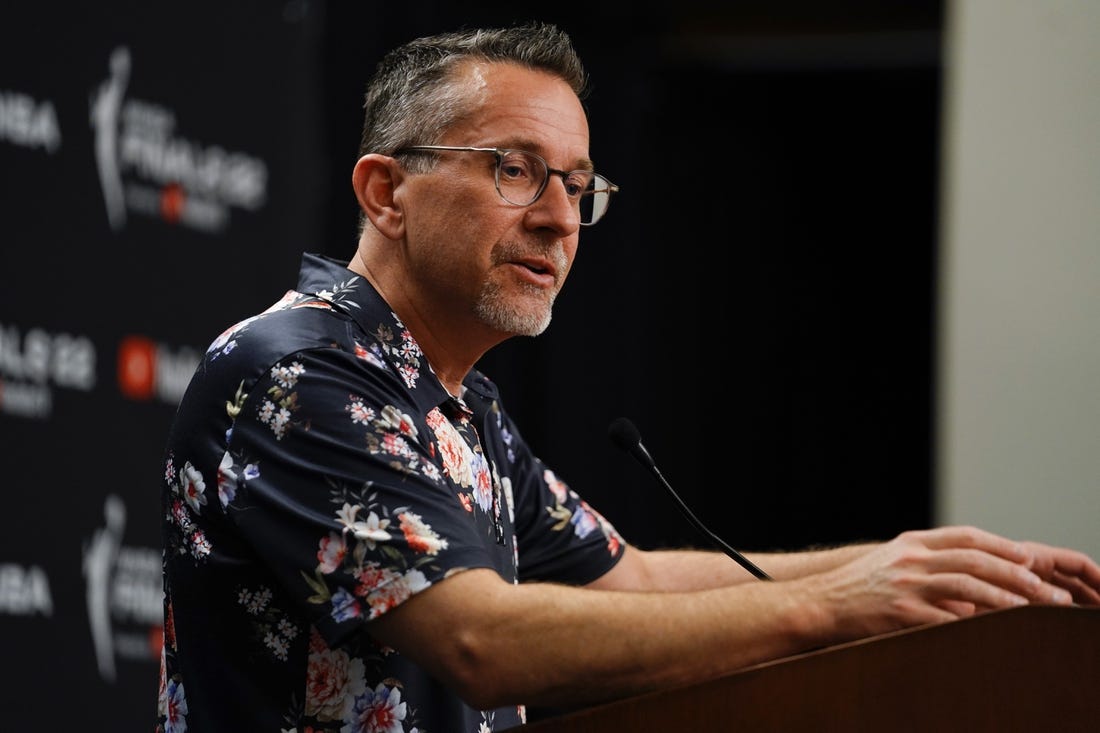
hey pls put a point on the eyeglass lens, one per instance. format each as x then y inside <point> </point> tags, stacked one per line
<point>522,176</point>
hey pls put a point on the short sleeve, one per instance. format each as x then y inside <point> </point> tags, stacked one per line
<point>332,477</point>
<point>560,537</point>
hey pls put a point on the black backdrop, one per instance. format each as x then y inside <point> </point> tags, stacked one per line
<point>759,300</point>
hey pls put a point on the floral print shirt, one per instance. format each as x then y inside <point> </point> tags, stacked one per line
<point>317,475</point>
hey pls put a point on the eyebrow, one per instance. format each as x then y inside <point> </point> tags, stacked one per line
<point>581,164</point>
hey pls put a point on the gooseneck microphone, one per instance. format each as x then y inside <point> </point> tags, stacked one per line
<point>626,436</point>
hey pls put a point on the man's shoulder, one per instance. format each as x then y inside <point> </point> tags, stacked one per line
<point>295,323</point>
<point>250,348</point>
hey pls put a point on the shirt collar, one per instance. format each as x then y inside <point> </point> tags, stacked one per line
<point>329,280</point>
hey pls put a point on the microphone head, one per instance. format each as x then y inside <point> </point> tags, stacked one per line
<point>623,434</point>
<point>626,436</point>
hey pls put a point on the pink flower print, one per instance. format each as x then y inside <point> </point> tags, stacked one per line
<point>399,589</point>
<point>333,679</point>
<point>373,576</point>
<point>419,536</point>
<point>332,552</point>
<point>455,454</point>
<point>395,445</point>
<point>614,541</point>
<point>435,418</point>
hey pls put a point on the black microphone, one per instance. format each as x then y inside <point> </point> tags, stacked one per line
<point>626,436</point>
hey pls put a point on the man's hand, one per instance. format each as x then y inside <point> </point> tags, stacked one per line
<point>936,575</point>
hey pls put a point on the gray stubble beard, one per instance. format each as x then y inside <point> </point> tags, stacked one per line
<point>494,311</point>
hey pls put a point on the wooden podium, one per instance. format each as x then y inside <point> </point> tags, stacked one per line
<point>1031,669</point>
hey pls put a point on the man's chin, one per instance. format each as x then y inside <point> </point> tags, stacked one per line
<point>514,322</point>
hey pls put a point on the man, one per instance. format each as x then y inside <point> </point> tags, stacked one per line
<point>357,536</point>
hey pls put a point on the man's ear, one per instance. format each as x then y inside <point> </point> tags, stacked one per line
<point>375,179</point>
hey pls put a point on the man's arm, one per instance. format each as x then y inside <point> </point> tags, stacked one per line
<point>496,643</point>
<point>686,570</point>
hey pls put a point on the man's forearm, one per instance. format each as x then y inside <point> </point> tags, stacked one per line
<point>689,569</point>
<point>790,565</point>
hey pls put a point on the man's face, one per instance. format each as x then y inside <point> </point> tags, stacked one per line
<point>470,252</point>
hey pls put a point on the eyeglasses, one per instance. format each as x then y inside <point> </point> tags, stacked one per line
<point>521,178</point>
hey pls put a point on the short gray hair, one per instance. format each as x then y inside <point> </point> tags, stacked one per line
<point>412,98</point>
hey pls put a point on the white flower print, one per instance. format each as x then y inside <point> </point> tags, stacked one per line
<point>287,376</point>
<point>200,546</point>
<point>255,602</point>
<point>376,711</point>
<point>227,480</point>
<point>193,487</point>
<point>287,629</point>
<point>394,419</point>
<point>280,423</point>
<point>277,644</point>
<point>410,374</point>
<point>175,708</point>
<point>509,500</point>
<point>370,531</point>
<point>360,413</point>
<point>431,471</point>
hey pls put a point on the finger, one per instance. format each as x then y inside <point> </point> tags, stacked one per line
<point>996,571</point>
<point>1058,565</point>
<point>955,588</point>
<point>1083,594</point>
<point>1077,564</point>
<point>965,536</point>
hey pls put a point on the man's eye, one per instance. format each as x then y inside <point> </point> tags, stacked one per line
<point>513,170</point>
<point>577,183</point>
<point>515,167</point>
